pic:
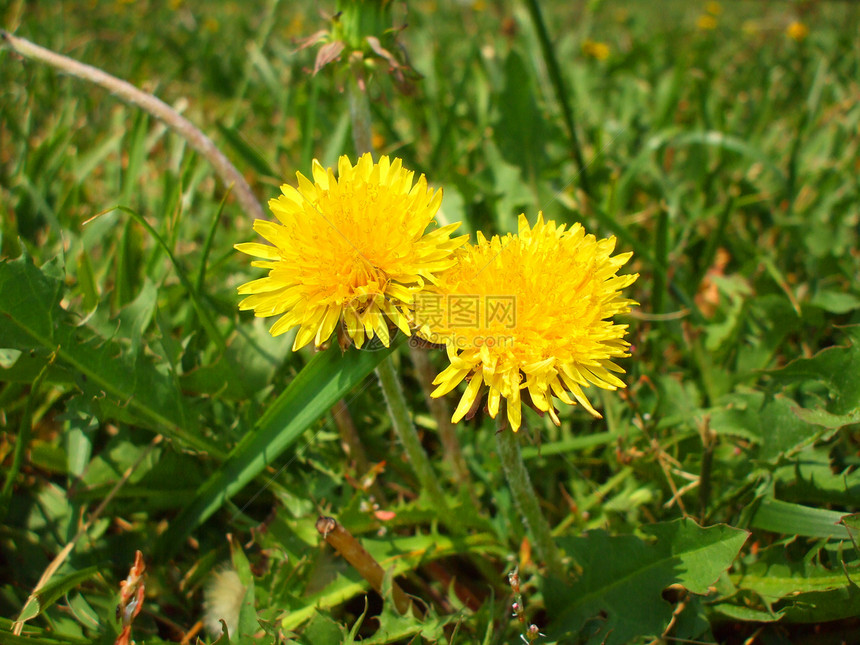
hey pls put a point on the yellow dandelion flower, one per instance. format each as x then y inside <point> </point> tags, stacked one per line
<point>595,49</point>
<point>706,22</point>
<point>350,250</point>
<point>714,8</point>
<point>797,31</point>
<point>377,141</point>
<point>531,315</point>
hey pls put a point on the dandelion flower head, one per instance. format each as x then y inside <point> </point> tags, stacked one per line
<point>352,249</point>
<point>595,49</point>
<point>565,288</point>
<point>797,31</point>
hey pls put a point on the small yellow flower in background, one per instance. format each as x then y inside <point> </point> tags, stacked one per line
<point>377,141</point>
<point>714,8</point>
<point>750,27</point>
<point>211,25</point>
<point>559,337</point>
<point>706,22</point>
<point>595,49</point>
<point>797,31</point>
<point>351,249</point>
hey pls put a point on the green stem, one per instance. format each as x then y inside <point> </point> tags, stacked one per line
<point>22,440</point>
<point>525,499</point>
<point>441,411</point>
<point>405,430</point>
<point>359,109</point>
<point>401,421</point>
<point>560,91</point>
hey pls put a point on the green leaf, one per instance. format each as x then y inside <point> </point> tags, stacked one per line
<point>824,606</point>
<point>21,367</point>
<point>835,302</point>
<point>801,590</point>
<point>838,368</point>
<point>783,431</point>
<point>324,380</point>
<point>749,614</point>
<point>137,315</point>
<point>827,420</point>
<point>394,627</point>
<point>795,519</point>
<point>777,423</point>
<point>813,480</point>
<point>7,638</point>
<point>51,592</point>
<point>22,441</point>
<point>137,150</point>
<point>519,131</point>
<point>79,428</point>
<point>574,444</point>
<point>121,387</point>
<point>224,638</point>
<point>250,154</point>
<point>323,629</point>
<point>248,624</point>
<point>399,554</point>
<point>353,632</point>
<point>623,577</point>
<point>852,525</point>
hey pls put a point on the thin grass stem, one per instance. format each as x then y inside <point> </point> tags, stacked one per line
<point>401,421</point>
<point>560,88</point>
<point>525,499</point>
<point>149,103</point>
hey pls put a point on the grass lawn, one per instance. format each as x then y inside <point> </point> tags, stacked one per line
<point>715,500</point>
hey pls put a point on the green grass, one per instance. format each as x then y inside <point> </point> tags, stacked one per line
<point>726,159</point>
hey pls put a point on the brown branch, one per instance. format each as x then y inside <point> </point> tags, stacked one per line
<point>148,103</point>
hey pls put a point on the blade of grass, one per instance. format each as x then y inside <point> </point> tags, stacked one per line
<point>202,311</point>
<point>795,519</point>
<point>207,245</point>
<point>715,239</point>
<point>643,252</point>
<point>324,380</point>
<point>248,152</point>
<point>22,440</point>
<point>561,92</point>
<point>661,257</point>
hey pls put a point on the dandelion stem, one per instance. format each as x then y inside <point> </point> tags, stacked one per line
<point>401,421</point>
<point>148,103</point>
<point>525,499</point>
<point>441,411</point>
<point>405,430</point>
<point>359,110</point>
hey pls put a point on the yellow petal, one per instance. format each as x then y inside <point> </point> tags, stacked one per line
<point>258,250</point>
<point>468,398</point>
